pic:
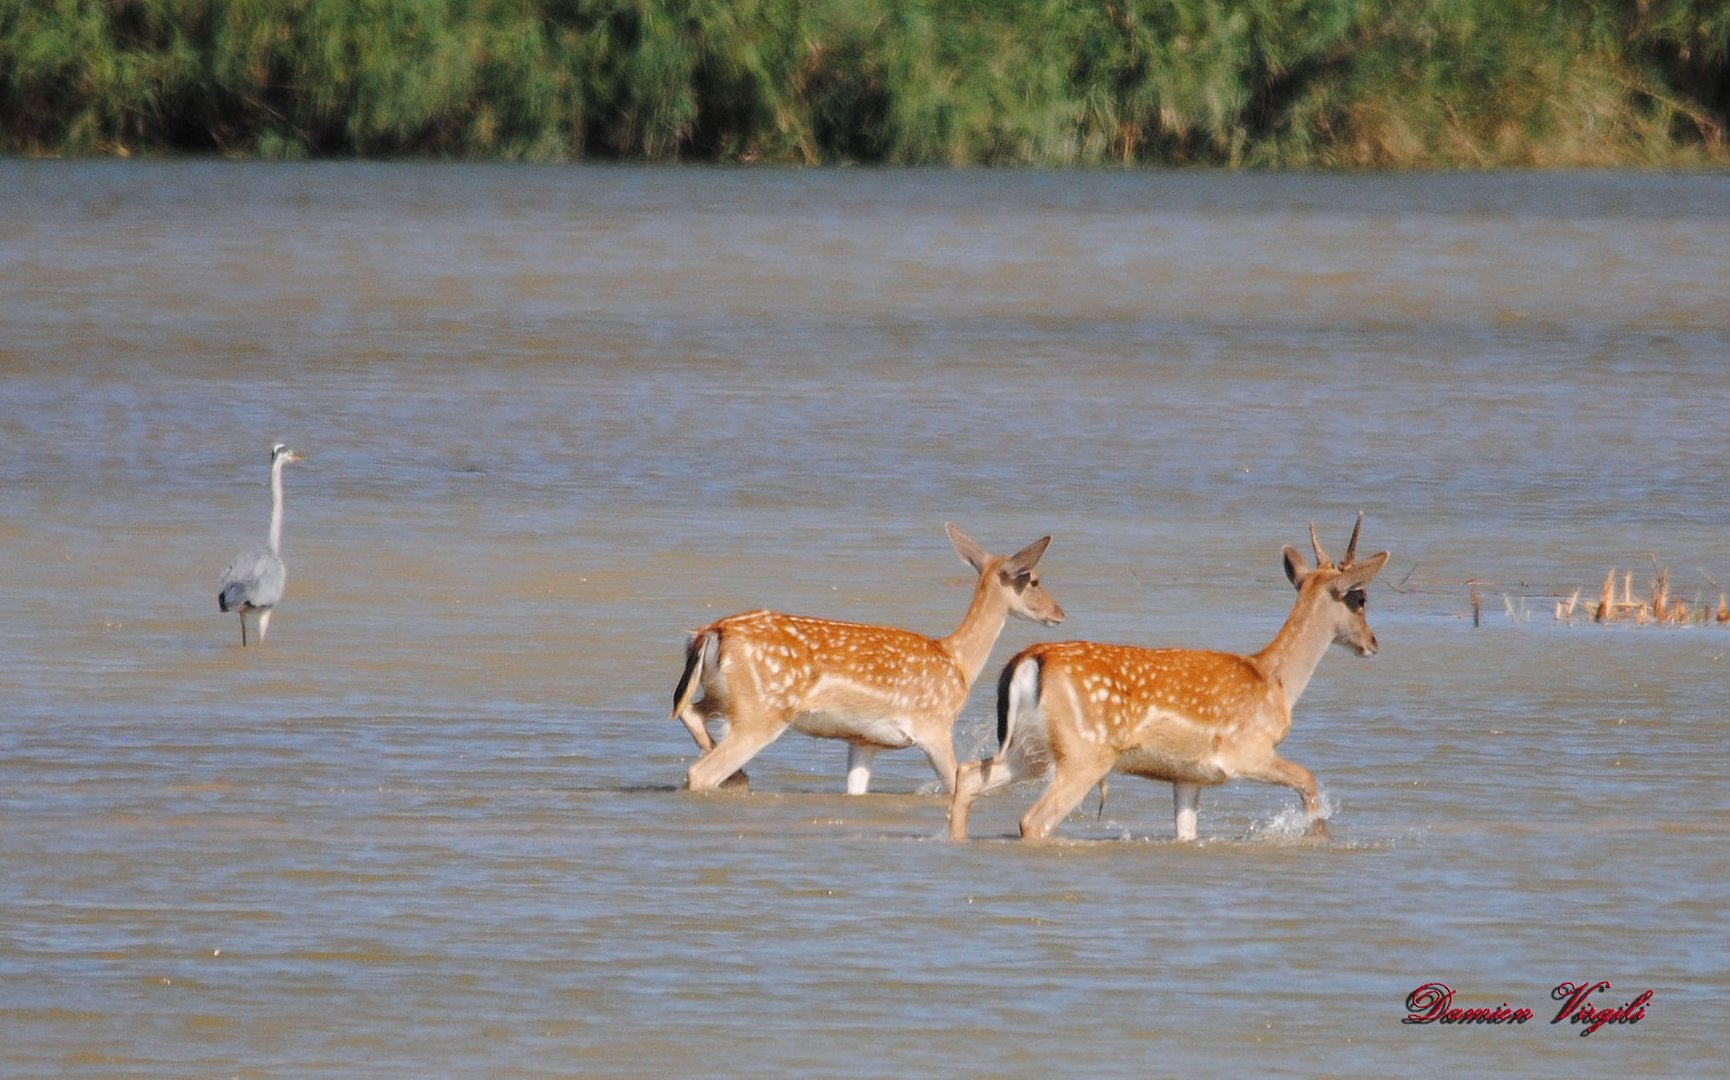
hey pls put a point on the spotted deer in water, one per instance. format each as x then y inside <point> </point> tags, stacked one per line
<point>876,687</point>
<point>1075,711</point>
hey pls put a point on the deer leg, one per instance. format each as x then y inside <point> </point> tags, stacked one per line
<point>975,778</point>
<point>741,743</point>
<point>940,752</point>
<point>1065,793</point>
<point>695,721</point>
<point>1290,774</point>
<point>738,779</point>
<point>859,758</point>
<point>1186,800</point>
<point>968,785</point>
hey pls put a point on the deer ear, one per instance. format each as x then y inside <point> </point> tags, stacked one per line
<point>1360,574</point>
<point>1296,569</point>
<point>1023,561</point>
<point>971,554</point>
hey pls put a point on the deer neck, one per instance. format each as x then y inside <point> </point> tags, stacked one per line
<point>276,506</point>
<point>970,645</point>
<point>1291,658</point>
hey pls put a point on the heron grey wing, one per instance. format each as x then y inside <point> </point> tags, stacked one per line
<point>255,577</point>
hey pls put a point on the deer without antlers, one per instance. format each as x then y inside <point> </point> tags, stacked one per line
<point>877,687</point>
<point>1078,710</point>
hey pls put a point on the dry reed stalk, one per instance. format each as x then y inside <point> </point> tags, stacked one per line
<point>1565,608</point>
<point>1661,609</point>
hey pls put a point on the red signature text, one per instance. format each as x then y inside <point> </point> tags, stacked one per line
<point>1433,1003</point>
<point>1576,1009</point>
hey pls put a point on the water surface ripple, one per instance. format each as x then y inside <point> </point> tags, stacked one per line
<point>554,417</point>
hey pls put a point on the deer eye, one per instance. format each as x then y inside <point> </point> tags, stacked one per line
<point>1355,599</point>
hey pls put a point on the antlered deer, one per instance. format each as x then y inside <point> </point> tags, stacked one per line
<point>877,687</point>
<point>1077,710</point>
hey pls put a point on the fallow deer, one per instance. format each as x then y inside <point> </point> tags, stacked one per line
<point>876,687</point>
<point>1075,711</point>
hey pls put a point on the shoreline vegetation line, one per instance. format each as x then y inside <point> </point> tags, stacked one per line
<point>1328,84</point>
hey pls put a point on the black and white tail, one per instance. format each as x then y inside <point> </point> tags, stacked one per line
<point>1018,687</point>
<point>703,648</point>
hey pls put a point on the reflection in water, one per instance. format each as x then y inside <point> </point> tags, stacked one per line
<point>557,417</point>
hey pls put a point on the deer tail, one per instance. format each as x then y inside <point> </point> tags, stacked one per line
<point>702,649</point>
<point>1018,686</point>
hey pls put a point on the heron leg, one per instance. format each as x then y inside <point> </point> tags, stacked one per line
<point>242,629</point>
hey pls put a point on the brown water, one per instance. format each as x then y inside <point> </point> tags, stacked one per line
<point>554,417</point>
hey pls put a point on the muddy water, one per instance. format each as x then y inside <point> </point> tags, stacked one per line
<point>555,417</point>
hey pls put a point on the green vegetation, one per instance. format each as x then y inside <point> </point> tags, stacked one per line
<point>1266,83</point>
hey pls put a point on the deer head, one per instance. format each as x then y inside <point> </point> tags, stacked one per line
<point>1337,593</point>
<point>1014,575</point>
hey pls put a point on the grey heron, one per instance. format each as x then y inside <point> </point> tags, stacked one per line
<point>254,580</point>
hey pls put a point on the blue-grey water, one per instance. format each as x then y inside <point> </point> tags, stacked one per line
<point>554,417</point>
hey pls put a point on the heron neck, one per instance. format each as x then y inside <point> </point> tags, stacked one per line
<point>276,506</point>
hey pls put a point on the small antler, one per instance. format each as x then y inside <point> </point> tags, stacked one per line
<point>1321,556</point>
<point>1352,548</point>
